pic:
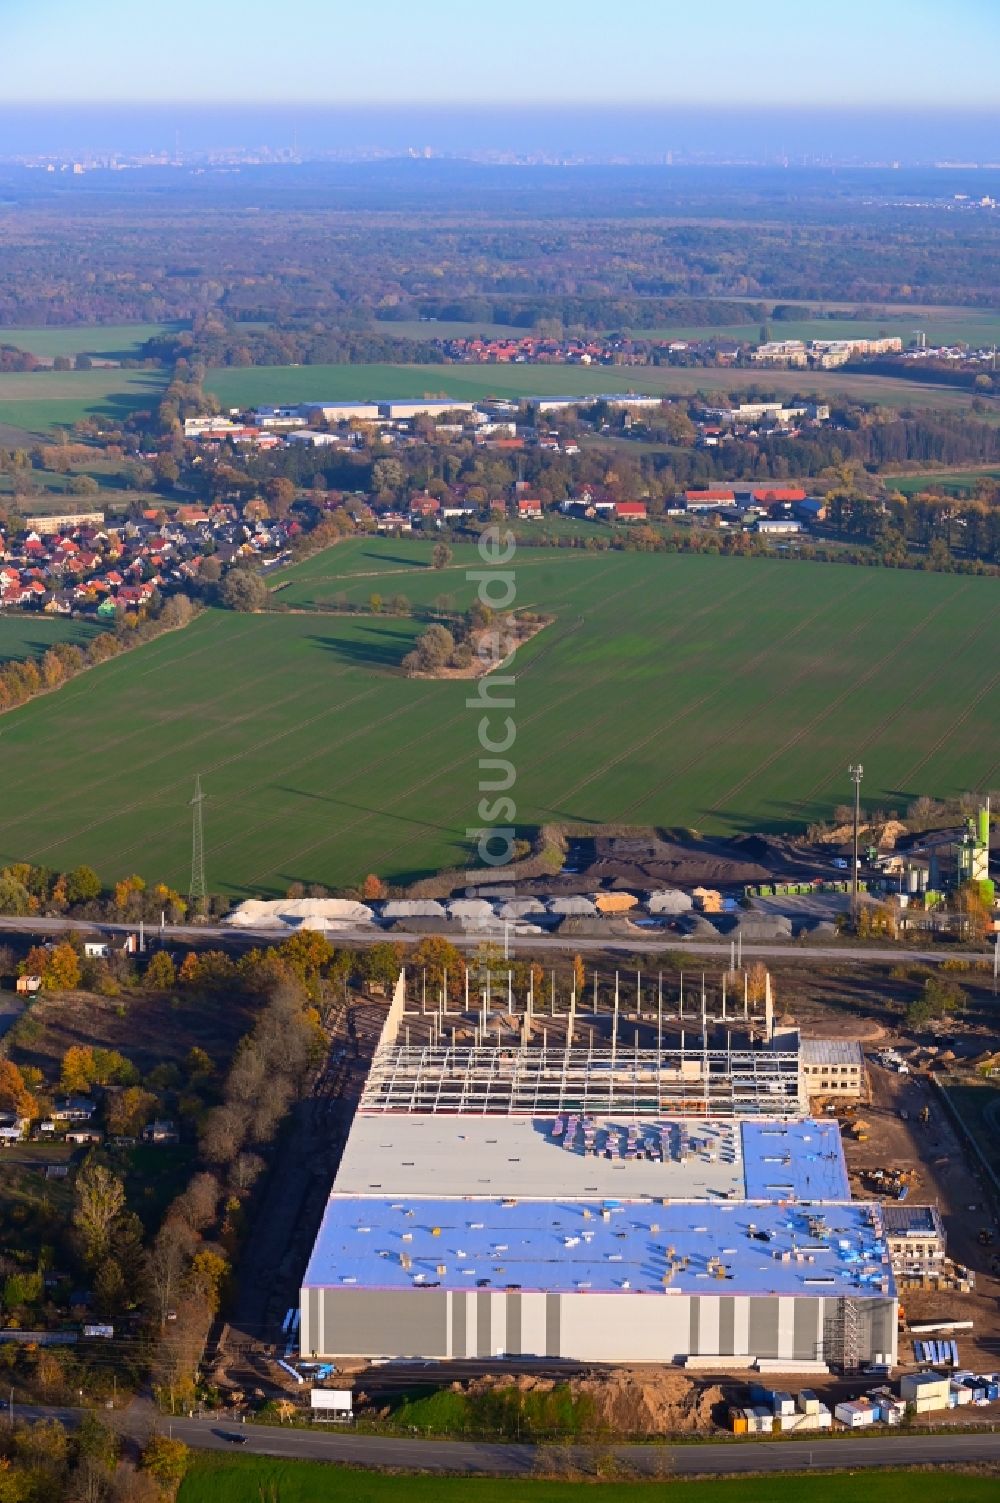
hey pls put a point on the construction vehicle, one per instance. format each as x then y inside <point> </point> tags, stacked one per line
<point>925,1115</point>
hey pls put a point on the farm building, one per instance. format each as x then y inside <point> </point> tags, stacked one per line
<point>529,1195</point>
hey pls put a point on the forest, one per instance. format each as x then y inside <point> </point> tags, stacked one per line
<point>323,248</point>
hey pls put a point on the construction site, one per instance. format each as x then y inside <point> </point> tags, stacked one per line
<point>552,1176</point>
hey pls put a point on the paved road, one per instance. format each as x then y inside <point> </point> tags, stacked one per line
<point>577,943</point>
<point>472,1458</point>
<point>730,1458</point>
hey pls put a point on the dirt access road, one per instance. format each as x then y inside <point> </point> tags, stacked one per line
<point>946,1175</point>
<point>295,1195</point>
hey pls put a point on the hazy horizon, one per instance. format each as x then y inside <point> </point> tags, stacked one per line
<point>570,132</point>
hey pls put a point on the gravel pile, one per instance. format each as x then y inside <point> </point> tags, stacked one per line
<point>299,913</point>
<point>516,908</point>
<point>470,910</point>
<point>668,900</point>
<point>405,908</point>
<point>572,907</point>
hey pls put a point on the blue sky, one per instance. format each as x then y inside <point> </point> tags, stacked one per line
<point>859,54</point>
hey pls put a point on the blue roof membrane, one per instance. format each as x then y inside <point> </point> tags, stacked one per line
<point>794,1161</point>
<point>707,1247</point>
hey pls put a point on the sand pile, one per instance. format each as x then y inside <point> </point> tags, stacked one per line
<point>639,1401</point>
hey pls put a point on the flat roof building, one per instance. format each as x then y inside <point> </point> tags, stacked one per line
<point>510,1198</point>
<point>916,1239</point>
<point>832,1067</point>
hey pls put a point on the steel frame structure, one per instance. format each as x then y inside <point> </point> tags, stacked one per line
<point>536,1080</point>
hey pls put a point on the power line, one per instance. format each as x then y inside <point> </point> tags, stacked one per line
<point>856,774</point>
<point>196,891</point>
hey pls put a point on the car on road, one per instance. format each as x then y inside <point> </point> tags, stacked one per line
<point>234,1437</point>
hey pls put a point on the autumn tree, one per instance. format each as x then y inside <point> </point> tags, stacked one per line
<point>281,494</point>
<point>434,649</point>
<point>433,957</point>
<point>166,1265</point>
<point>161,973</point>
<point>974,909</point>
<point>373,887</point>
<point>579,976</point>
<point>382,962</point>
<point>441,556</point>
<point>166,1459</point>
<point>129,1110</point>
<point>207,1276</point>
<point>127,891</point>
<point>84,1067</point>
<point>99,1196</point>
<point>199,1202</point>
<point>306,953</point>
<point>243,589</point>
<point>58,967</point>
<point>14,1093</point>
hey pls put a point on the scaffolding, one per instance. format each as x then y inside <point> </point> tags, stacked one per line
<point>845,1336</point>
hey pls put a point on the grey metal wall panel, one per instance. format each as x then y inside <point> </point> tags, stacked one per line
<point>513,1342</point>
<point>553,1326</point>
<point>762,1333</point>
<point>807,1329</point>
<point>694,1328</point>
<point>385,1322</point>
<point>458,1338</point>
<point>484,1325</point>
<point>884,1329</point>
<point>727,1325</point>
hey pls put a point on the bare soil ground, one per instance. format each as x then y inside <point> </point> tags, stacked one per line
<point>287,1214</point>
<point>148,1029</point>
<point>944,1175</point>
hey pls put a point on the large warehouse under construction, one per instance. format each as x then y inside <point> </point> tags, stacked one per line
<point>595,1187</point>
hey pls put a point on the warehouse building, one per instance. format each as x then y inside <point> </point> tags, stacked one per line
<point>514,1199</point>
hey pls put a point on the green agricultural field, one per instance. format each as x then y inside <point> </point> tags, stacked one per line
<point>723,694</point>
<point>232,1479</point>
<point>955,481</point>
<point>39,400</point>
<point>237,387</point>
<point>31,636</point>
<point>972,326</point>
<point>104,341</point>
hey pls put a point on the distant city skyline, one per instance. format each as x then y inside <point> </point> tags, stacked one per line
<point>865,55</point>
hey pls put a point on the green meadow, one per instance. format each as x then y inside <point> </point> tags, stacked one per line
<point>243,386</point>
<point>722,694</point>
<point>237,1479</point>
<point>102,341</point>
<point>24,636</point>
<point>36,401</point>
